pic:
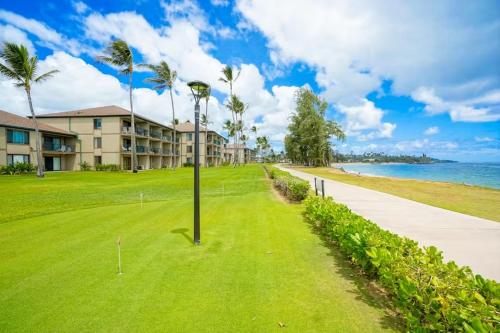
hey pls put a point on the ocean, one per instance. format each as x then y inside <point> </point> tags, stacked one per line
<point>482,174</point>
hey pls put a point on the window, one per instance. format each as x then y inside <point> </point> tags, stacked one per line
<point>190,136</point>
<point>97,143</point>
<point>97,160</point>
<point>13,159</point>
<point>189,149</point>
<point>18,137</point>
<point>97,123</point>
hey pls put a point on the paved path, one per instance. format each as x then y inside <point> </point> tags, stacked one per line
<point>467,240</point>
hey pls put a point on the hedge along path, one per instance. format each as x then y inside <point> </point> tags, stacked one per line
<point>467,240</point>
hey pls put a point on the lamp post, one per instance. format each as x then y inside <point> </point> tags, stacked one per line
<point>199,90</point>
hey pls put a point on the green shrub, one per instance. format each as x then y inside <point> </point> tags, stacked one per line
<point>430,294</point>
<point>18,168</point>
<point>85,166</point>
<point>107,167</point>
<point>188,164</point>
<point>292,187</point>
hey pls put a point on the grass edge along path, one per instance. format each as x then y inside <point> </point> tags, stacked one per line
<point>259,263</point>
<point>471,200</point>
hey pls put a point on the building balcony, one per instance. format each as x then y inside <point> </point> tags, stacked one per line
<point>166,138</point>
<point>156,135</point>
<point>141,131</point>
<point>154,150</point>
<point>142,149</point>
<point>58,148</point>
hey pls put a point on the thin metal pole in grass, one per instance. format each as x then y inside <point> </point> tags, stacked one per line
<point>118,242</point>
<point>323,188</point>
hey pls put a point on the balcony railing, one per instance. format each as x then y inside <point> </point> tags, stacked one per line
<point>166,138</point>
<point>57,147</point>
<point>154,150</point>
<point>141,131</point>
<point>166,152</point>
<point>141,149</point>
<point>156,135</point>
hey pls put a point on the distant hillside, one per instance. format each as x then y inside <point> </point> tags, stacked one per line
<point>383,158</point>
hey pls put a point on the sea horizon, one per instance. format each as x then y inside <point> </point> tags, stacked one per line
<point>484,174</point>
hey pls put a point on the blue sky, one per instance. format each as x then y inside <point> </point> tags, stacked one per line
<point>401,78</point>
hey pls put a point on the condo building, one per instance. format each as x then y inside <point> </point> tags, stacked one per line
<point>211,148</point>
<point>18,143</point>
<point>102,135</point>
<point>243,153</point>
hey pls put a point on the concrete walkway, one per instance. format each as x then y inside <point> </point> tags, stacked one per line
<point>468,240</point>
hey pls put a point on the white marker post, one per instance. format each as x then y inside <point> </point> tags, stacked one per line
<point>118,242</point>
<point>141,195</point>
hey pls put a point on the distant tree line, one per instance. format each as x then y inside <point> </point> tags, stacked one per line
<point>310,133</point>
<point>383,158</point>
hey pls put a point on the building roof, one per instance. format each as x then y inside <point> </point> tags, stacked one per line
<point>189,127</point>
<point>12,120</point>
<point>101,111</point>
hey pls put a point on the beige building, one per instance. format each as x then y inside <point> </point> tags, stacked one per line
<point>105,135</point>
<point>60,148</point>
<point>245,154</point>
<point>210,151</point>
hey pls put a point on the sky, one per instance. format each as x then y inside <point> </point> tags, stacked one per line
<point>400,77</point>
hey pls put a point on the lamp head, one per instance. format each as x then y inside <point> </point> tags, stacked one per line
<point>199,90</point>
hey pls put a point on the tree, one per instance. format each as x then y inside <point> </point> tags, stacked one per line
<point>164,79</point>
<point>230,128</point>
<point>229,78</point>
<point>118,54</point>
<point>244,139</point>
<point>204,121</point>
<point>308,141</point>
<point>237,107</point>
<point>22,68</point>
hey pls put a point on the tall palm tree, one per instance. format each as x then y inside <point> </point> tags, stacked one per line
<point>164,78</point>
<point>22,68</point>
<point>230,128</point>
<point>204,121</point>
<point>229,77</point>
<point>244,139</point>
<point>118,54</point>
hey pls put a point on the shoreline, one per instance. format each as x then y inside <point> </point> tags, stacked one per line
<point>340,167</point>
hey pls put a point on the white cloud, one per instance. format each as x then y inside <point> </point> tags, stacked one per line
<point>221,3</point>
<point>9,33</point>
<point>484,108</point>
<point>354,46</point>
<point>366,116</point>
<point>80,7</point>
<point>432,130</point>
<point>483,139</point>
<point>47,37</point>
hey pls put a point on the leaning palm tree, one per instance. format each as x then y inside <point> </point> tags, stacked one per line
<point>22,68</point>
<point>118,54</point>
<point>204,122</point>
<point>229,77</point>
<point>164,78</point>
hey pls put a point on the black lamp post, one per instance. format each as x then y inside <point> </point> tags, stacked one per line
<point>199,90</point>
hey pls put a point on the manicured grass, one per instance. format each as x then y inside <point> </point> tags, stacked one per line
<point>471,200</point>
<point>259,264</point>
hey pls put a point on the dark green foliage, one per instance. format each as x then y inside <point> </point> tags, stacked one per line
<point>188,164</point>
<point>430,294</point>
<point>107,167</point>
<point>17,168</point>
<point>293,188</point>
<point>308,142</point>
<point>85,166</point>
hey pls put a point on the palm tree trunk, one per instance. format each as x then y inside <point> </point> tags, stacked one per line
<point>134,150</point>
<point>39,157</point>
<point>206,133</point>
<point>174,159</point>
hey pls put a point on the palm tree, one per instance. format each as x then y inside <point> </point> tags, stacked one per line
<point>204,122</point>
<point>118,54</point>
<point>22,68</point>
<point>164,78</point>
<point>229,78</point>
<point>244,139</point>
<point>230,128</point>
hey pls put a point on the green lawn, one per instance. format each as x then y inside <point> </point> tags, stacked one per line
<point>472,200</point>
<point>259,264</point>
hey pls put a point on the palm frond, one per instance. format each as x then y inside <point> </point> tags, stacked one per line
<point>46,76</point>
<point>9,73</point>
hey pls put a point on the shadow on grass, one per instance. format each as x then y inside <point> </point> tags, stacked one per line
<point>366,289</point>
<point>183,232</point>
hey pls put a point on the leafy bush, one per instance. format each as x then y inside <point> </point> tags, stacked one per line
<point>430,294</point>
<point>107,167</point>
<point>225,163</point>
<point>85,166</point>
<point>188,164</point>
<point>292,187</point>
<point>18,168</point>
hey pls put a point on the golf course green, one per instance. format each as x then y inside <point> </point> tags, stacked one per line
<point>259,267</point>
